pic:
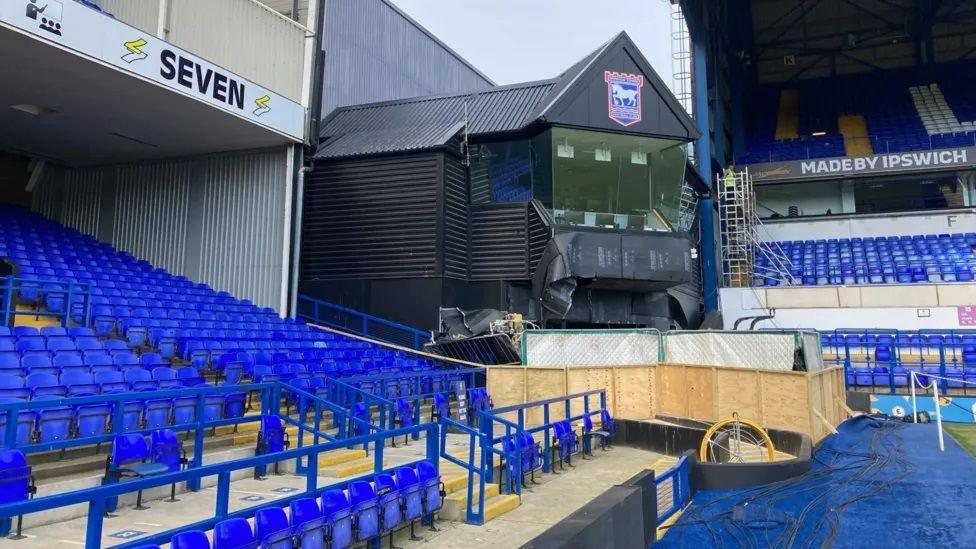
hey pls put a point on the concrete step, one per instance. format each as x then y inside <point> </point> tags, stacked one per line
<point>456,504</point>
<point>340,457</point>
<point>350,468</point>
<point>499,505</point>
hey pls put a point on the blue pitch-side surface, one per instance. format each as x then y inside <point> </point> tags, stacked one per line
<point>875,484</point>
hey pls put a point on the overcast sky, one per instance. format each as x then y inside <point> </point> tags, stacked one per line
<point>521,40</point>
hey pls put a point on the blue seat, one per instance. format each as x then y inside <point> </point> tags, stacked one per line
<point>131,458</point>
<point>403,417</point>
<point>45,385</point>
<point>441,408</point>
<point>272,438</point>
<point>92,419</point>
<point>16,482</point>
<point>431,486</point>
<point>307,522</point>
<point>608,425</point>
<point>271,528</point>
<point>232,534</point>
<point>38,364</point>
<point>191,539</point>
<point>389,501</point>
<point>337,517</point>
<point>589,433</point>
<point>364,507</point>
<point>166,448</point>
<point>54,423</point>
<point>13,387</point>
<point>411,494</point>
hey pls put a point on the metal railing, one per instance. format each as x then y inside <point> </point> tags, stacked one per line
<point>948,354</point>
<point>673,490</point>
<point>117,402</point>
<point>489,419</point>
<point>98,497</point>
<point>356,322</point>
<point>41,288</point>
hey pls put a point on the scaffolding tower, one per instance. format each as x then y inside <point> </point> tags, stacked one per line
<point>750,257</point>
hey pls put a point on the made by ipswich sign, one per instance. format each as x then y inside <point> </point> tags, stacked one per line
<point>79,28</point>
<point>854,166</point>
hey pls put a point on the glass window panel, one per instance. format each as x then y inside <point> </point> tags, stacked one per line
<point>615,181</point>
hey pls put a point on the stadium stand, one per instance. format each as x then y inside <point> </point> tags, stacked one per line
<point>883,358</point>
<point>153,330</point>
<point>904,111</point>
<point>875,260</point>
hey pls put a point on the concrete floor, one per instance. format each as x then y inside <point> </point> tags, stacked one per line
<point>556,498</point>
<point>542,506</point>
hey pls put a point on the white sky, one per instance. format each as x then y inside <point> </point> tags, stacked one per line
<point>521,40</point>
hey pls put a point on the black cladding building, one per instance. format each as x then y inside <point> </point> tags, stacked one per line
<point>557,199</point>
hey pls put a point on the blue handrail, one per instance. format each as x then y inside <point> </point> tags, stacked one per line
<point>97,497</point>
<point>673,485</point>
<point>859,358</point>
<point>475,440</point>
<point>360,323</point>
<point>68,288</point>
<point>118,400</point>
<point>488,418</point>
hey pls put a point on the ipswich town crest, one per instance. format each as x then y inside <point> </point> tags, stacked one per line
<point>624,97</point>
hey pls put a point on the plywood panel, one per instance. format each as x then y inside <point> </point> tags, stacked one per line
<point>738,391</point>
<point>506,385</point>
<point>786,403</point>
<point>579,379</point>
<point>634,390</point>
<point>700,393</point>
<point>542,384</point>
<point>671,390</point>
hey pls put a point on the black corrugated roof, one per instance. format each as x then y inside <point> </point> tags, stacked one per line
<point>428,122</point>
<point>425,122</point>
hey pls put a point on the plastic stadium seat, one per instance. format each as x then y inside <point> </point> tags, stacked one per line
<point>308,523</point>
<point>272,437</point>
<point>53,424</point>
<point>410,493</point>
<point>337,516</point>
<point>430,482</point>
<point>16,481</point>
<point>192,539</point>
<point>79,383</point>
<point>25,422</point>
<point>389,495</point>
<point>589,433</point>
<point>232,534</point>
<point>440,408</point>
<point>45,385</point>
<point>364,506</point>
<point>92,419</point>
<point>271,528</point>
<point>131,458</point>
<point>13,387</point>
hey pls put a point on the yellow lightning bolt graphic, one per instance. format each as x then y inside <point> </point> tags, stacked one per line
<point>262,103</point>
<point>135,53</point>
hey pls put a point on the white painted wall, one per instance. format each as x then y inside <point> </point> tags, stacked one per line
<point>945,221</point>
<point>742,302</point>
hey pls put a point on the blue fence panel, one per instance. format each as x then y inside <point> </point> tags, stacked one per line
<point>349,320</point>
<point>673,490</point>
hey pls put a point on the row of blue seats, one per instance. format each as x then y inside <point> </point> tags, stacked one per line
<point>365,510</point>
<point>59,423</point>
<point>898,376</point>
<point>80,383</point>
<point>94,361</point>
